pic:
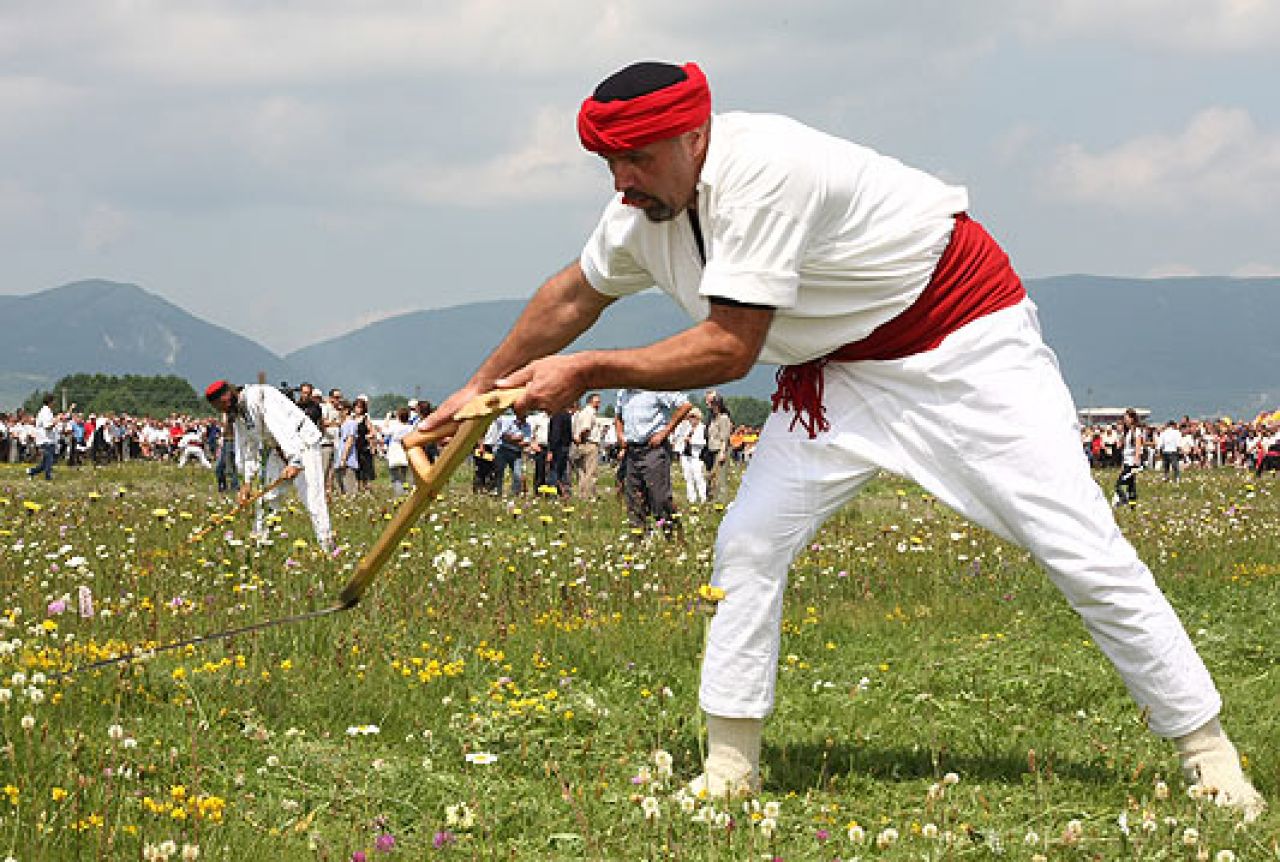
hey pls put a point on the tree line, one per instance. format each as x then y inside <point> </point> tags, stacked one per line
<point>135,394</point>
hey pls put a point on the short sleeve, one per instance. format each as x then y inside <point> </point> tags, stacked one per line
<point>606,262</point>
<point>756,257</point>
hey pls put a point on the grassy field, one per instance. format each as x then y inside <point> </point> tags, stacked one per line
<point>520,683</point>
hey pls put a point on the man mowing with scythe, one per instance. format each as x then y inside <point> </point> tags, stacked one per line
<point>274,437</point>
<point>907,343</point>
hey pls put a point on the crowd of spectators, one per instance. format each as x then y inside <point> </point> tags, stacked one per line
<point>102,439</point>
<point>1170,446</point>
<point>564,452</point>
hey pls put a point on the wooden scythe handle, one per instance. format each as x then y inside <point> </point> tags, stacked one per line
<point>465,431</point>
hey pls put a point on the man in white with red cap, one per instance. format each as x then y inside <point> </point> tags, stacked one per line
<point>274,436</point>
<point>907,343</point>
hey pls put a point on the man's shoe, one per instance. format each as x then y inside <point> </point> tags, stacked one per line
<point>732,769</point>
<point>1211,761</point>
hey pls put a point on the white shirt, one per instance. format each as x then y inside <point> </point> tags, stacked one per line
<point>688,432</point>
<point>1170,439</point>
<point>331,419</point>
<point>44,426</point>
<point>394,432</point>
<point>838,238</point>
<point>267,418</point>
<point>584,423</point>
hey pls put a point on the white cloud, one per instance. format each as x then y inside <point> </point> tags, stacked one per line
<point>1191,26</point>
<point>280,130</point>
<point>542,168</point>
<point>18,204</point>
<point>1220,160</point>
<point>103,227</point>
<point>214,42</point>
<point>28,103</point>
<point>1257,270</point>
<point>1171,270</point>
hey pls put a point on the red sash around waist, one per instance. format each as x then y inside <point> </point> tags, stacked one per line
<point>972,279</point>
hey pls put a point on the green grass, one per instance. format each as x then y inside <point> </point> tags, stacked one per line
<point>546,636</point>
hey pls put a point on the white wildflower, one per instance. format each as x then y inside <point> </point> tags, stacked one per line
<point>887,838</point>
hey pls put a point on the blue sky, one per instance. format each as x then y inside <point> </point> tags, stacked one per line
<point>293,170</point>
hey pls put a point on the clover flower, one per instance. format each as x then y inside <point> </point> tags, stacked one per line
<point>663,761</point>
<point>459,816</point>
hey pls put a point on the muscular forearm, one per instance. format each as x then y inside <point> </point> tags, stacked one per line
<point>563,308</point>
<point>722,348</point>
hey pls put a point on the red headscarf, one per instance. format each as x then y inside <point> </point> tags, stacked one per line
<point>628,124</point>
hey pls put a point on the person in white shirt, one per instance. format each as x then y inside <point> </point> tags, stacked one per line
<point>584,454</point>
<point>274,437</point>
<point>1126,493</point>
<point>688,440</point>
<point>907,343</point>
<point>331,422</point>
<point>191,446</point>
<point>45,437</point>
<point>393,433</point>
<point>1170,443</point>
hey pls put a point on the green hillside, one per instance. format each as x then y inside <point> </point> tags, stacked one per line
<point>107,327</point>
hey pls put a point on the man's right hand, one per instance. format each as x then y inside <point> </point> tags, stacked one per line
<point>245,494</point>
<point>443,414</point>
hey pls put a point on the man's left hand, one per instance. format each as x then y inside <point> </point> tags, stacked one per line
<point>290,472</point>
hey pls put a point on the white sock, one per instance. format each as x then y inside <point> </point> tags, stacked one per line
<point>1210,760</point>
<point>733,758</point>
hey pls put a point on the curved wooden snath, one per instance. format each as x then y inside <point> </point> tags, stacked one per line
<point>466,430</point>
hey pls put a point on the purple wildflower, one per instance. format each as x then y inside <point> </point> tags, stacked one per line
<point>384,843</point>
<point>443,838</point>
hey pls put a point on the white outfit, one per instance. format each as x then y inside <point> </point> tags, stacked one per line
<point>840,240</point>
<point>943,419</point>
<point>43,432</point>
<point>271,428</point>
<point>689,440</point>
<point>193,447</point>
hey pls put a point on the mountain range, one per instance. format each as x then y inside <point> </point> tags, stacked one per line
<point>1199,346</point>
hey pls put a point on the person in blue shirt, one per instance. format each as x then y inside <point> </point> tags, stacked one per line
<point>644,422</point>
<point>514,435</point>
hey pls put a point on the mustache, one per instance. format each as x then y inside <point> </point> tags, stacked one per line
<point>635,196</point>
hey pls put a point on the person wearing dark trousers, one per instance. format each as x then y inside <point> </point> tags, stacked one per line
<point>46,439</point>
<point>559,442</point>
<point>1130,461</point>
<point>644,422</point>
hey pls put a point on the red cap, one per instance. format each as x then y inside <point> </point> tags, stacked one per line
<point>215,389</point>
<point>629,124</point>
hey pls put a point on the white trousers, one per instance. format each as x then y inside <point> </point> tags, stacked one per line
<point>190,452</point>
<point>308,485</point>
<point>695,478</point>
<point>984,423</point>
